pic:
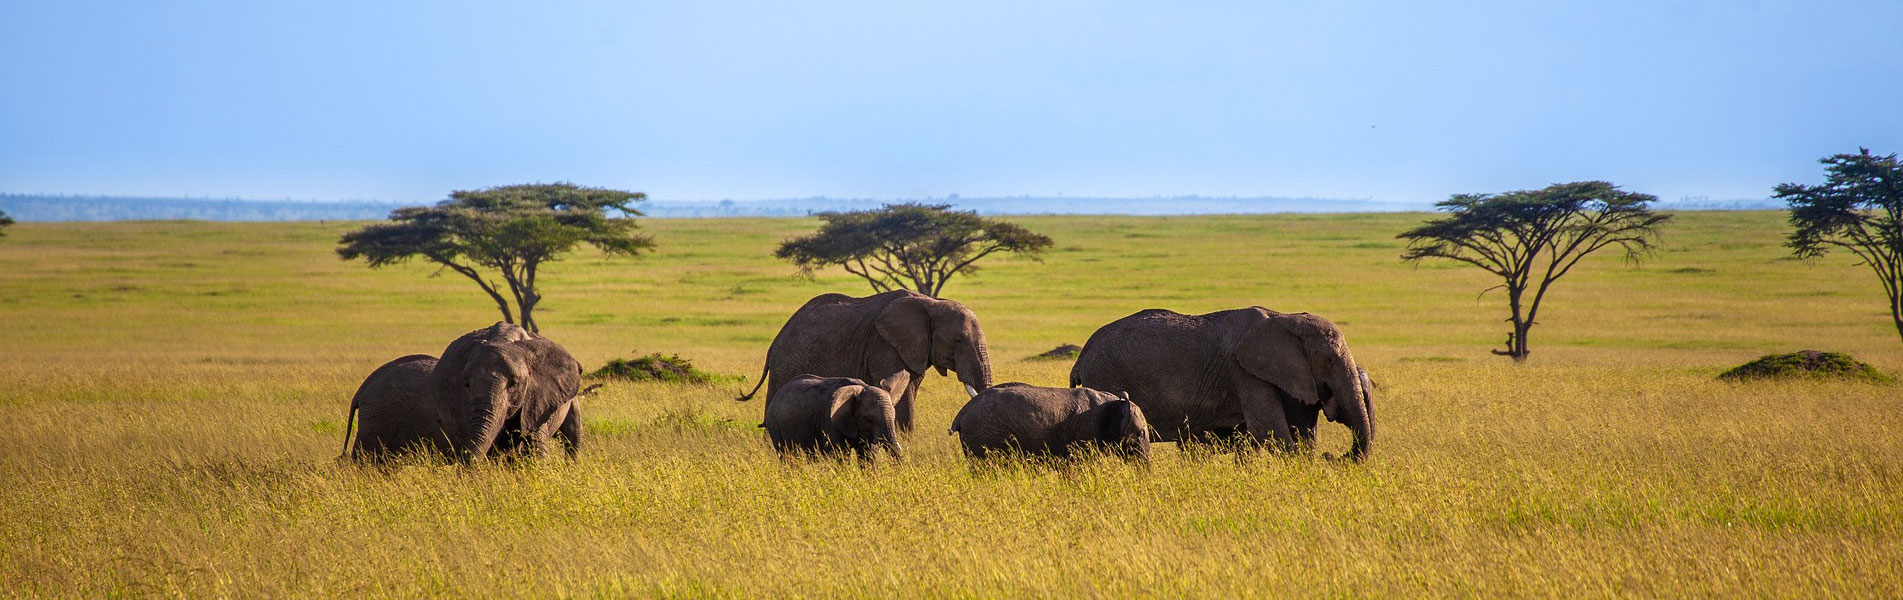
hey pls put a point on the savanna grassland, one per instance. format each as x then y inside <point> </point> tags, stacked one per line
<point>174,393</point>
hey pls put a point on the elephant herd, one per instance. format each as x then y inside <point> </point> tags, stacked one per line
<point>1251,375</point>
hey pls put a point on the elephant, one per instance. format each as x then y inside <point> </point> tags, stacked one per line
<point>1054,422</point>
<point>835,335</point>
<point>398,410</point>
<point>422,403</point>
<point>504,377</point>
<point>1250,371</point>
<point>817,416</point>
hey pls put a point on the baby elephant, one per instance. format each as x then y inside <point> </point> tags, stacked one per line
<point>398,410</point>
<point>1051,422</point>
<point>816,415</point>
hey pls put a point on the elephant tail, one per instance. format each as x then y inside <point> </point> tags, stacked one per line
<point>756,387</point>
<point>958,420</point>
<point>349,420</point>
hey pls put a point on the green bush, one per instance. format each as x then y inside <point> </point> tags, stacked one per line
<point>1807,364</point>
<point>1064,352</point>
<point>655,367</point>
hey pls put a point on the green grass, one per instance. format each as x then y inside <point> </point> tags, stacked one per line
<point>173,395</point>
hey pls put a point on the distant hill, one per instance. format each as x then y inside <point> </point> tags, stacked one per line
<point>39,207</point>
<point>33,207</point>
<point>1027,205</point>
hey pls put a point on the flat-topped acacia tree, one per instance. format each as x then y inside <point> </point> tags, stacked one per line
<point>1531,238</point>
<point>908,246</point>
<point>1859,208</point>
<point>504,233</point>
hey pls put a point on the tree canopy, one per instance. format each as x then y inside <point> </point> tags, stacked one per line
<point>908,246</point>
<point>1858,208</point>
<point>1531,238</point>
<point>504,232</point>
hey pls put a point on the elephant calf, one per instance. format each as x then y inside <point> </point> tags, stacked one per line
<point>1051,422</point>
<point>398,409</point>
<point>816,415</point>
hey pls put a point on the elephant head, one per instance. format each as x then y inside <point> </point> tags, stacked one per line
<point>866,415</point>
<point>504,371</point>
<point>928,332</point>
<point>1122,429</point>
<point>1306,357</point>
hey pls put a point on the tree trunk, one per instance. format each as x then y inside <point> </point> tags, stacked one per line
<point>1516,341</point>
<point>1896,313</point>
<point>1520,329</point>
<point>503,305</point>
<point>529,300</point>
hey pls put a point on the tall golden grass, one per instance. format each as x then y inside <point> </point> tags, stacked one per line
<point>173,396</point>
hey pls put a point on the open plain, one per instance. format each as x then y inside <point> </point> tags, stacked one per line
<point>174,392</point>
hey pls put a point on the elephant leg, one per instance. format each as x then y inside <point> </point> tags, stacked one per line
<point>902,410</point>
<point>1302,420</point>
<point>570,431</point>
<point>1262,414</point>
<point>538,431</point>
<point>510,440</point>
<point>1202,444</point>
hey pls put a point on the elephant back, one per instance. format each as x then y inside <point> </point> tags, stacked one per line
<point>1174,366</point>
<point>828,336</point>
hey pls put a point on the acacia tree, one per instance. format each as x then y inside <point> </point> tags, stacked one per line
<point>505,232</point>
<point>908,246</point>
<point>4,222</point>
<point>1531,238</point>
<point>1858,208</point>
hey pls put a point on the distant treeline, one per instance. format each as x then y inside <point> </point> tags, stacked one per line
<point>40,207</point>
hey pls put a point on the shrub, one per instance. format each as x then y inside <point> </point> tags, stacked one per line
<point>1064,352</point>
<point>655,367</point>
<point>1807,364</point>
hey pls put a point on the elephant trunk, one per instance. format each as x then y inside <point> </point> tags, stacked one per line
<point>1351,405</point>
<point>488,410</point>
<point>976,370</point>
<point>891,437</point>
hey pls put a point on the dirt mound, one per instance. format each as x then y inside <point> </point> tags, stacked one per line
<point>1807,364</point>
<point>1064,352</point>
<point>655,367</point>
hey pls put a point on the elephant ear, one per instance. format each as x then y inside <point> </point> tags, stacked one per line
<point>1116,421</point>
<point>906,324</point>
<point>896,383</point>
<point>1275,351</point>
<point>843,399</point>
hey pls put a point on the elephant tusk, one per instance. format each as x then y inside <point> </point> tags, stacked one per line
<point>970,392</point>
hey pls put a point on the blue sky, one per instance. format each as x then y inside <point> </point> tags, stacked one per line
<point>1394,101</point>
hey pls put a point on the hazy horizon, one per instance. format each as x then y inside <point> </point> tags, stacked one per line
<point>50,208</point>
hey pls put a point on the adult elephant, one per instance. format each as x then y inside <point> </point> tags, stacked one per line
<point>1251,370</point>
<point>505,383</point>
<point>835,335</point>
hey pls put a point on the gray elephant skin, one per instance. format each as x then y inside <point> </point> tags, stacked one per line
<point>498,390</point>
<point>1250,371</point>
<point>821,416</point>
<point>835,335</point>
<point>398,410</point>
<point>1055,422</point>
